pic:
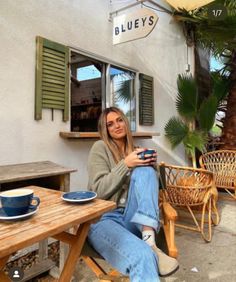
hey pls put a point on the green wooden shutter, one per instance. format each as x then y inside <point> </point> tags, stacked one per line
<point>146,101</point>
<point>52,77</point>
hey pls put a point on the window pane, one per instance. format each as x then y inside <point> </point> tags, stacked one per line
<point>89,72</point>
<point>86,92</point>
<point>122,92</point>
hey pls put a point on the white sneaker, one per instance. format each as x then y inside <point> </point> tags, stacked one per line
<point>167,265</point>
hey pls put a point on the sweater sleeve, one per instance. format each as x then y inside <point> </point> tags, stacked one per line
<point>103,179</point>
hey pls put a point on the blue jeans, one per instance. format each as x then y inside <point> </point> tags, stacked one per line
<point>117,235</point>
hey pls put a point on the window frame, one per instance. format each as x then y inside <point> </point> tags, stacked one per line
<point>106,95</point>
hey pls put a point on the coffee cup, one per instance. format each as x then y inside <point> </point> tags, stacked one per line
<point>147,154</point>
<point>18,201</point>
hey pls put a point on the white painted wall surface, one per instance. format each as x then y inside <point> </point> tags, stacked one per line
<point>83,24</point>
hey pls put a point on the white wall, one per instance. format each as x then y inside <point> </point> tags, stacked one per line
<point>83,24</point>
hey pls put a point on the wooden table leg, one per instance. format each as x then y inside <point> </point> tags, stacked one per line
<point>43,250</point>
<point>65,182</point>
<point>3,276</point>
<point>74,253</point>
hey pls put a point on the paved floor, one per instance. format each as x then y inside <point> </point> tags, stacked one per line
<point>199,261</point>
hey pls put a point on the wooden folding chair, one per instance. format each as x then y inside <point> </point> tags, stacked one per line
<point>223,164</point>
<point>194,191</point>
<point>165,240</point>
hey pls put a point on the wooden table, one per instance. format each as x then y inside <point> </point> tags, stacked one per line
<point>45,174</point>
<point>53,219</point>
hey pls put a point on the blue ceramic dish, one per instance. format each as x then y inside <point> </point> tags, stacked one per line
<point>79,196</point>
<point>31,211</point>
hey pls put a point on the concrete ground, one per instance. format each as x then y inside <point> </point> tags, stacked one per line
<point>199,261</point>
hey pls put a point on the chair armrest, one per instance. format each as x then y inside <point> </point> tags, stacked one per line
<point>169,212</point>
<point>169,217</point>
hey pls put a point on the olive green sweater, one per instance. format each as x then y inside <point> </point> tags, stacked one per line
<point>109,180</point>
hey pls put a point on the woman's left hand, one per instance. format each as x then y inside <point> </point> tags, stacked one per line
<point>133,159</point>
<point>149,159</point>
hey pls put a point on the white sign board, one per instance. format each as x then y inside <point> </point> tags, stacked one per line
<point>134,25</point>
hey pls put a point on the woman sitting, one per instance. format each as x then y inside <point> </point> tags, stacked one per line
<point>125,237</point>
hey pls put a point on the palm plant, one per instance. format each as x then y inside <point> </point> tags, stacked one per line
<point>193,110</point>
<point>218,36</point>
<point>123,91</point>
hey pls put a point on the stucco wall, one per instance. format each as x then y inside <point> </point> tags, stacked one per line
<point>83,24</point>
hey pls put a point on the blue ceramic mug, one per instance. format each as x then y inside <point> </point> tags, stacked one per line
<point>18,201</point>
<point>147,154</point>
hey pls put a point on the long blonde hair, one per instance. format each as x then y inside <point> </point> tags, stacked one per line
<point>105,136</point>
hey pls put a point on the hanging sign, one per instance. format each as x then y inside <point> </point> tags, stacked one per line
<point>134,25</point>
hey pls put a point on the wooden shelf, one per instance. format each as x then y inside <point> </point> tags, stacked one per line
<point>95,135</point>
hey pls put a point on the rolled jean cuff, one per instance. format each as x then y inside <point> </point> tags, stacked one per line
<point>144,220</point>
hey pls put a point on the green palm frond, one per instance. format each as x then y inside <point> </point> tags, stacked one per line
<point>231,6</point>
<point>176,130</point>
<point>186,102</point>
<point>221,85</point>
<point>123,91</point>
<point>207,112</point>
<point>215,35</point>
<point>195,139</point>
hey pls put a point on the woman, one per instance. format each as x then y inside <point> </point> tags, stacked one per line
<point>125,237</point>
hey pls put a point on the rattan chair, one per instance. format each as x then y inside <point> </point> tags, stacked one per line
<point>165,240</point>
<point>192,190</point>
<point>223,164</point>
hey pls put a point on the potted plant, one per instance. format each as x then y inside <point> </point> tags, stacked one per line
<point>196,117</point>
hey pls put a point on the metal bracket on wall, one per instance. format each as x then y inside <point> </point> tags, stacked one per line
<point>137,3</point>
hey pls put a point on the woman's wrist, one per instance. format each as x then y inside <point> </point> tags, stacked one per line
<point>126,163</point>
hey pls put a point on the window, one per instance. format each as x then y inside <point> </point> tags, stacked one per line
<point>95,84</point>
<point>90,91</point>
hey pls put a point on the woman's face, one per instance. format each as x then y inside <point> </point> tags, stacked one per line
<point>116,126</point>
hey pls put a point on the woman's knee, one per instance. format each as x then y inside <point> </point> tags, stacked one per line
<point>144,171</point>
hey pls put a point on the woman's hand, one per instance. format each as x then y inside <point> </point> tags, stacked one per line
<point>133,160</point>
